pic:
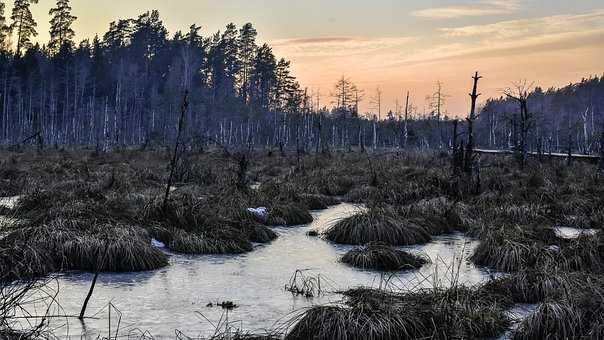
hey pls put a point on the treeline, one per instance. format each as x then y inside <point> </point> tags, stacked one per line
<point>559,120</point>
<point>125,88</point>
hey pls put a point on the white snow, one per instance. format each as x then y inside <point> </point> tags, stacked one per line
<point>260,212</point>
<point>157,244</point>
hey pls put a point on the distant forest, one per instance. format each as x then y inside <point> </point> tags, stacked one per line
<point>126,88</point>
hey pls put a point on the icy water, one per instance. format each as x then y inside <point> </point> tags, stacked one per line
<point>176,297</point>
<point>570,233</point>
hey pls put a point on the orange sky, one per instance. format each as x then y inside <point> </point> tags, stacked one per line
<point>396,45</point>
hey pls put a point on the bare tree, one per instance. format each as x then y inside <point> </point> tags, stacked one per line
<point>520,93</point>
<point>469,157</point>
<point>437,102</point>
<point>359,95</point>
<point>183,110</point>
<point>344,95</point>
<point>376,102</point>
<point>406,123</point>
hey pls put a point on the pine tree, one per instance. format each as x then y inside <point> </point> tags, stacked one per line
<point>61,32</point>
<point>247,48</point>
<point>263,77</point>
<point>4,30</point>
<point>23,24</point>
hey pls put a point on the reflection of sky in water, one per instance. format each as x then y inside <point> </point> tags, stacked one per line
<point>167,299</point>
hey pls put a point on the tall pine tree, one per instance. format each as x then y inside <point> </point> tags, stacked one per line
<point>24,25</point>
<point>61,33</point>
<point>247,49</point>
<point>4,30</point>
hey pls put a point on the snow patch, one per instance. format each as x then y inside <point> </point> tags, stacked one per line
<point>157,244</point>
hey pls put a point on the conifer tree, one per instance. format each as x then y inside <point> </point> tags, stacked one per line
<point>24,25</point>
<point>247,48</point>
<point>4,30</point>
<point>61,32</point>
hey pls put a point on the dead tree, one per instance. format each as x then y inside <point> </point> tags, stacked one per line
<point>469,157</point>
<point>183,110</point>
<point>458,149</point>
<point>520,94</point>
<point>569,147</point>
<point>406,123</point>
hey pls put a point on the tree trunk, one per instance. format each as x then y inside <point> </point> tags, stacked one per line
<point>469,157</point>
<point>185,105</point>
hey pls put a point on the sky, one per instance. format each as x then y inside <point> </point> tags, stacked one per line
<point>395,45</point>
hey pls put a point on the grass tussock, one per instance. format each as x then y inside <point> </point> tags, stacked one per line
<point>576,314</point>
<point>289,214</point>
<point>377,314</point>
<point>65,245</point>
<point>551,320</point>
<point>377,225</point>
<point>383,257</point>
<point>185,242</point>
<point>533,286</point>
<point>317,201</point>
<point>511,249</point>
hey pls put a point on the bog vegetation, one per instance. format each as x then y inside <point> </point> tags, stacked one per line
<point>91,211</point>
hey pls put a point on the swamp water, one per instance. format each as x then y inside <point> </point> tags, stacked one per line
<point>176,297</point>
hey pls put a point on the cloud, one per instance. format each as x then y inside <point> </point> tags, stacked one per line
<point>338,46</point>
<point>480,8</point>
<point>515,37</point>
<point>513,29</point>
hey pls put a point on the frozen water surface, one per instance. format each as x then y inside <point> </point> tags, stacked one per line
<point>166,300</point>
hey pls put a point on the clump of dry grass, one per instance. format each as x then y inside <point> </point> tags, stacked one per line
<point>292,214</point>
<point>532,286</point>
<point>551,320</point>
<point>376,314</point>
<point>576,314</point>
<point>61,245</point>
<point>377,225</point>
<point>318,202</point>
<point>383,257</point>
<point>186,242</point>
<point>584,253</point>
<point>512,249</point>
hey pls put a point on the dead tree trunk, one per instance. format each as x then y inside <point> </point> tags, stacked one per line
<point>457,157</point>
<point>469,158</point>
<point>569,160</point>
<point>99,267</point>
<point>183,110</point>
<point>406,127</point>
